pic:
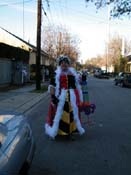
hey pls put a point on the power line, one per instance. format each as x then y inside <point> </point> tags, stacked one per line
<point>50,21</point>
<point>14,3</point>
<point>81,12</point>
<point>45,13</point>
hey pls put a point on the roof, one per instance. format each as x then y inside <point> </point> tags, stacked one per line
<point>7,51</point>
<point>8,38</point>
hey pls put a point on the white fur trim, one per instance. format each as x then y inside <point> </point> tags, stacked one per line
<point>52,130</point>
<point>80,91</point>
<point>57,81</point>
<point>73,71</point>
<point>75,112</point>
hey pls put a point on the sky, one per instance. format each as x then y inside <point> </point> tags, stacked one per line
<point>92,28</point>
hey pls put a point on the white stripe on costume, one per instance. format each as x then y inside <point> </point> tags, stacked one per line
<point>75,112</point>
<point>57,81</point>
<point>52,130</point>
<point>78,87</point>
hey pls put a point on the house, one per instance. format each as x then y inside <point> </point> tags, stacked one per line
<point>128,66</point>
<point>16,59</point>
<point>46,63</point>
<point>13,55</point>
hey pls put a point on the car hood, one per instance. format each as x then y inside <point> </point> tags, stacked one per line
<point>10,123</point>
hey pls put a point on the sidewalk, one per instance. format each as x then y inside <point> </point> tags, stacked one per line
<point>20,100</point>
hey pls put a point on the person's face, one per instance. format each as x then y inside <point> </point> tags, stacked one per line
<point>64,65</point>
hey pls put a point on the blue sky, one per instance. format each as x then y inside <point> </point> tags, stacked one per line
<point>78,17</point>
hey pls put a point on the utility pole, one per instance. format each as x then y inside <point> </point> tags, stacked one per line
<point>38,54</point>
<point>108,35</point>
<point>123,47</point>
<point>23,21</point>
<point>60,40</point>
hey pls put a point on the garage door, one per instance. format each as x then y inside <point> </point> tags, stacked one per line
<point>5,71</point>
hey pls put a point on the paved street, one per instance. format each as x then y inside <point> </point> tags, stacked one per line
<point>105,148</point>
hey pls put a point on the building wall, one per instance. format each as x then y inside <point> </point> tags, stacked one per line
<point>5,71</point>
<point>12,61</point>
<point>32,58</point>
<point>129,66</point>
<point>19,70</point>
<point>43,61</point>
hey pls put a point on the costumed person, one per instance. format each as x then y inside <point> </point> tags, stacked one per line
<point>66,95</point>
<point>86,106</point>
<point>84,87</point>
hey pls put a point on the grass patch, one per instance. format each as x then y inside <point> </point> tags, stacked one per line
<point>9,87</point>
<point>42,90</point>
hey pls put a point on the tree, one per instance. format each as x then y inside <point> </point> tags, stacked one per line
<point>115,55</point>
<point>115,49</point>
<point>116,58</point>
<point>123,63</point>
<point>118,7</point>
<point>96,62</point>
<point>57,40</point>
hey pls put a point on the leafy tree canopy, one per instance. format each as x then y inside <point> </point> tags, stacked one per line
<point>118,7</point>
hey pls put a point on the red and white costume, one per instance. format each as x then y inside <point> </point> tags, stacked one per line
<point>64,118</point>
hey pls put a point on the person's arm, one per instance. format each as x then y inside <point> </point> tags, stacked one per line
<point>52,85</point>
<point>78,86</point>
<point>51,90</point>
<point>54,99</point>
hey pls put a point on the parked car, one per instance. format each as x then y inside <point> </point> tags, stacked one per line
<point>97,73</point>
<point>119,78</point>
<point>17,145</point>
<point>126,80</point>
<point>102,74</point>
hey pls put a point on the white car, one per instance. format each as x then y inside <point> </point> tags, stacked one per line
<point>17,144</point>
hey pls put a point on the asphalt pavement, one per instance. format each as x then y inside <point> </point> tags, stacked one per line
<point>20,100</point>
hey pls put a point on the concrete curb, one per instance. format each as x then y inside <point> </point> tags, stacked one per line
<point>22,102</point>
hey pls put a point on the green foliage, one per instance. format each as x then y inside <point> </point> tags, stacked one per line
<point>116,68</point>
<point>123,63</point>
<point>118,7</point>
<point>43,89</point>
